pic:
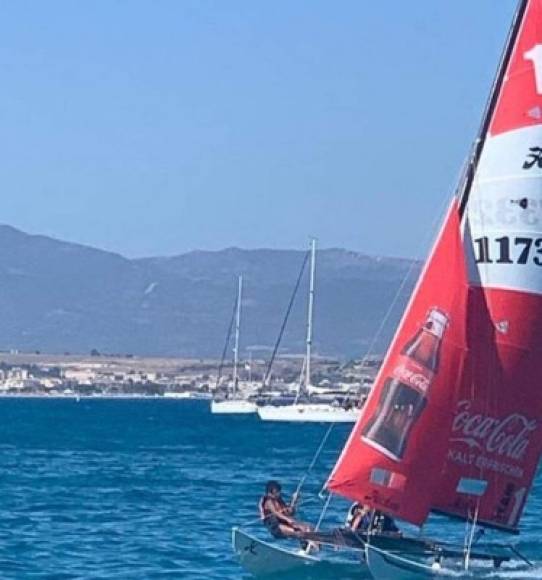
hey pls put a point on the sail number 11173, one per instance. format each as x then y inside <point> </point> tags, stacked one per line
<point>506,250</point>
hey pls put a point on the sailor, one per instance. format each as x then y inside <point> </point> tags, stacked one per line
<point>277,515</point>
<point>361,518</point>
<point>358,518</point>
<point>382,523</point>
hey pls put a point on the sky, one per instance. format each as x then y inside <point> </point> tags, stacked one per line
<point>162,126</point>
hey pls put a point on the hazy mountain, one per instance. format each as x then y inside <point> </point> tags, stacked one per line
<point>57,296</point>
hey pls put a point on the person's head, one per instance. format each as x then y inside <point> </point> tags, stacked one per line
<point>359,508</point>
<point>273,488</point>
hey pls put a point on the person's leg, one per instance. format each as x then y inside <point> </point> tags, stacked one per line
<point>287,531</point>
<point>303,527</point>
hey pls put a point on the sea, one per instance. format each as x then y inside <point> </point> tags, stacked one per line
<point>150,488</point>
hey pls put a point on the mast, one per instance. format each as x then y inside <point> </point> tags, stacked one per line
<point>310,315</point>
<point>237,327</point>
<point>467,179</point>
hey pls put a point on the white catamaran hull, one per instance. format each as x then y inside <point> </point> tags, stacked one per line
<point>265,559</point>
<point>384,565</point>
<point>308,413</point>
<point>232,406</point>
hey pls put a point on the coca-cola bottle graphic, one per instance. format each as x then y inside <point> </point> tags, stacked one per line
<point>404,394</point>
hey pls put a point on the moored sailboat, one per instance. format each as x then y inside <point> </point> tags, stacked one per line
<point>302,410</point>
<point>452,424</point>
<point>233,403</point>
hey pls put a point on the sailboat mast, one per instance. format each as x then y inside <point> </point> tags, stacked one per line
<point>237,327</point>
<point>310,316</point>
<point>470,170</point>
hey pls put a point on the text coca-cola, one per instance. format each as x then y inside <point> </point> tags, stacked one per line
<point>404,393</point>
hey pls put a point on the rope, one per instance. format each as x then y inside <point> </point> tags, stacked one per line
<point>283,326</point>
<point>429,235</point>
<point>514,550</point>
<point>315,458</point>
<point>471,535</point>
<point>324,510</point>
<point>320,519</point>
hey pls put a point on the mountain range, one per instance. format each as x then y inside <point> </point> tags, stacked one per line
<point>57,297</point>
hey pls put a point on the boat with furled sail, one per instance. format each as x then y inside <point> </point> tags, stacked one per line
<point>233,403</point>
<point>301,410</point>
<point>452,424</point>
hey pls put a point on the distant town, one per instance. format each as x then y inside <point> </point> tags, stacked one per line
<point>96,375</point>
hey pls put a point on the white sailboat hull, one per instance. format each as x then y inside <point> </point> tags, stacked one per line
<point>308,413</point>
<point>262,558</point>
<point>233,406</point>
<point>384,565</point>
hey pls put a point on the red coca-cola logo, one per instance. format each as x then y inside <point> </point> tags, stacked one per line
<point>412,377</point>
<point>507,436</point>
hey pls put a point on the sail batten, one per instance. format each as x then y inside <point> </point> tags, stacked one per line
<point>453,423</point>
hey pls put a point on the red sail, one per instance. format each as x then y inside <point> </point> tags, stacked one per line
<point>394,457</point>
<point>496,437</point>
<point>453,422</point>
<point>520,99</point>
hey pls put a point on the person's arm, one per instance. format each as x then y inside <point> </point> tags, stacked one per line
<point>280,513</point>
<point>293,503</point>
<point>356,520</point>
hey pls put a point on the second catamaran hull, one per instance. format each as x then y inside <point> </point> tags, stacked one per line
<point>384,565</point>
<point>308,413</point>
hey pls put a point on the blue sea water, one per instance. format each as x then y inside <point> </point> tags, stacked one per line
<point>151,488</point>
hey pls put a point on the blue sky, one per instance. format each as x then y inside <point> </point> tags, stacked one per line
<point>157,127</point>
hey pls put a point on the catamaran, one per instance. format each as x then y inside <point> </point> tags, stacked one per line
<point>452,424</point>
<point>233,403</point>
<point>307,411</point>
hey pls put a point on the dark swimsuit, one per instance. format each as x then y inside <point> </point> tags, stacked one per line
<point>270,520</point>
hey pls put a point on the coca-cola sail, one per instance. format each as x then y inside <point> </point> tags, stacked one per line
<point>461,434</point>
<point>409,406</point>
<point>496,432</point>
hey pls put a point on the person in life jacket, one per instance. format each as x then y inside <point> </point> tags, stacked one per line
<point>358,518</point>
<point>278,516</point>
<point>361,518</point>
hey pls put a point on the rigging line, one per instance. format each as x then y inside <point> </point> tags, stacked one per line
<point>431,232</point>
<point>514,550</point>
<point>283,326</point>
<point>226,344</point>
<point>315,458</point>
<point>471,536</point>
<point>465,539</point>
<point>324,510</point>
